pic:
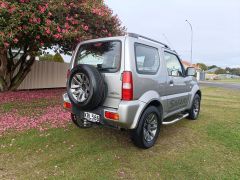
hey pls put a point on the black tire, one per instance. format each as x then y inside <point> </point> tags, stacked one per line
<point>195,109</point>
<point>81,123</point>
<point>97,87</point>
<point>138,134</point>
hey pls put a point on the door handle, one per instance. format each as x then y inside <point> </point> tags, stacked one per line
<point>171,82</point>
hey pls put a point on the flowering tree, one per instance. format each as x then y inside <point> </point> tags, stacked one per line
<point>30,26</point>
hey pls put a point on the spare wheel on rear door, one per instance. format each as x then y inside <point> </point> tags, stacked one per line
<point>86,87</point>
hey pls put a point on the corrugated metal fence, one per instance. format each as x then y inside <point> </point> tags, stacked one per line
<point>46,74</point>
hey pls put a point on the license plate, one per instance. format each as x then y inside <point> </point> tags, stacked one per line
<point>91,117</point>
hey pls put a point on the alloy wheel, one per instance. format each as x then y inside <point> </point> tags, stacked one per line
<point>150,127</point>
<point>80,87</point>
<point>196,107</point>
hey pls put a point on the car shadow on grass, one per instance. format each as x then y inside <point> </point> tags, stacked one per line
<point>172,136</point>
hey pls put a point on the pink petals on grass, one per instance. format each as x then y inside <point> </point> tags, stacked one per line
<point>49,117</point>
<point>30,95</point>
<point>53,117</point>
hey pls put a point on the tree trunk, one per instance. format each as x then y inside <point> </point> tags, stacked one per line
<point>3,69</point>
<point>20,76</point>
<point>12,74</point>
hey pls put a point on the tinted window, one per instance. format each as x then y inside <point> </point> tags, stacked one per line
<point>106,56</point>
<point>147,59</point>
<point>174,66</point>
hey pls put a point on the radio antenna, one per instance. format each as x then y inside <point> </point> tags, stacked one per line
<point>168,41</point>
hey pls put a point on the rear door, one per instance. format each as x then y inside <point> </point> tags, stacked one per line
<point>177,84</point>
<point>106,56</point>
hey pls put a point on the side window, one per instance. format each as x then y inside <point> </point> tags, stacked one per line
<point>147,59</point>
<point>174,66</point>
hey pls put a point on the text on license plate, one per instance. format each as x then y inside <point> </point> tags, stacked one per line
<point>91,117</point>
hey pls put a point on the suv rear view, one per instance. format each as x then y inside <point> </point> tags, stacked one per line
<point>130,82</point>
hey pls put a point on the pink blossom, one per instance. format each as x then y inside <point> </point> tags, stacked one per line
<point>6,45</point>
<point>48,22</point>
<point>24,1</point>
<point>42,9</point>
<point>38,20</point>
<point>74,22</point>
<point>4,5</point>
<point>15,40</point>
<point>97,11</point>
<point>57,36</point>
<point>12,9</point>
<point>24,27</point>
<point>37,37</point>
<point>67,26</point>
<point>58,29</point>
<point>35,20</point>
<point>85,28</point>
<point>69,18</point>
<point>31,20</point>
<point>48,31</point>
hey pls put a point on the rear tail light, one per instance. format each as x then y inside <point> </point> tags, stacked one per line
<point>127,86</point>
<point>111,115</point>
<point>67,105</point>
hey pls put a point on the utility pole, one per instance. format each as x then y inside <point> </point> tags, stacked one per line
<point>191,40</point>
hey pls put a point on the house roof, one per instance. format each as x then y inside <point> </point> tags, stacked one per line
<point>213,70</point>
<point>187,64</point>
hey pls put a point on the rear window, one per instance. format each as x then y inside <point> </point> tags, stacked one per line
<point>105,56</point>
<point>147,59</point>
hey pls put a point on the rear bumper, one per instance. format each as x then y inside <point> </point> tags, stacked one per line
<point>129,113</point>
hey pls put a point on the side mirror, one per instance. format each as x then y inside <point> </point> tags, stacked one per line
<point>191,71</point>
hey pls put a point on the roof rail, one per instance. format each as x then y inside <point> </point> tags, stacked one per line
<point>143,37</point>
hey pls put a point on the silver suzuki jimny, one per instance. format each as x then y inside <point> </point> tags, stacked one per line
<point>130,82</point>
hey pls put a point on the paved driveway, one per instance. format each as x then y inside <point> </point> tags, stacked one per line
<point>235,86</point>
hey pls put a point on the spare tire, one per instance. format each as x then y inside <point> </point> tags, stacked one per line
<point>86,87</point>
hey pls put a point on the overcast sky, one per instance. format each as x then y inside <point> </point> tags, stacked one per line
<point>216,26</point>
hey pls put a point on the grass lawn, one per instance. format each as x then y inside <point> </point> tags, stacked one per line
<point>208,148</point>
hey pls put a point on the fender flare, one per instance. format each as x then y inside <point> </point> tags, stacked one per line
<point>148,98</point>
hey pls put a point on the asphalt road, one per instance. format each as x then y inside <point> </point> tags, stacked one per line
<point>235,86</point>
